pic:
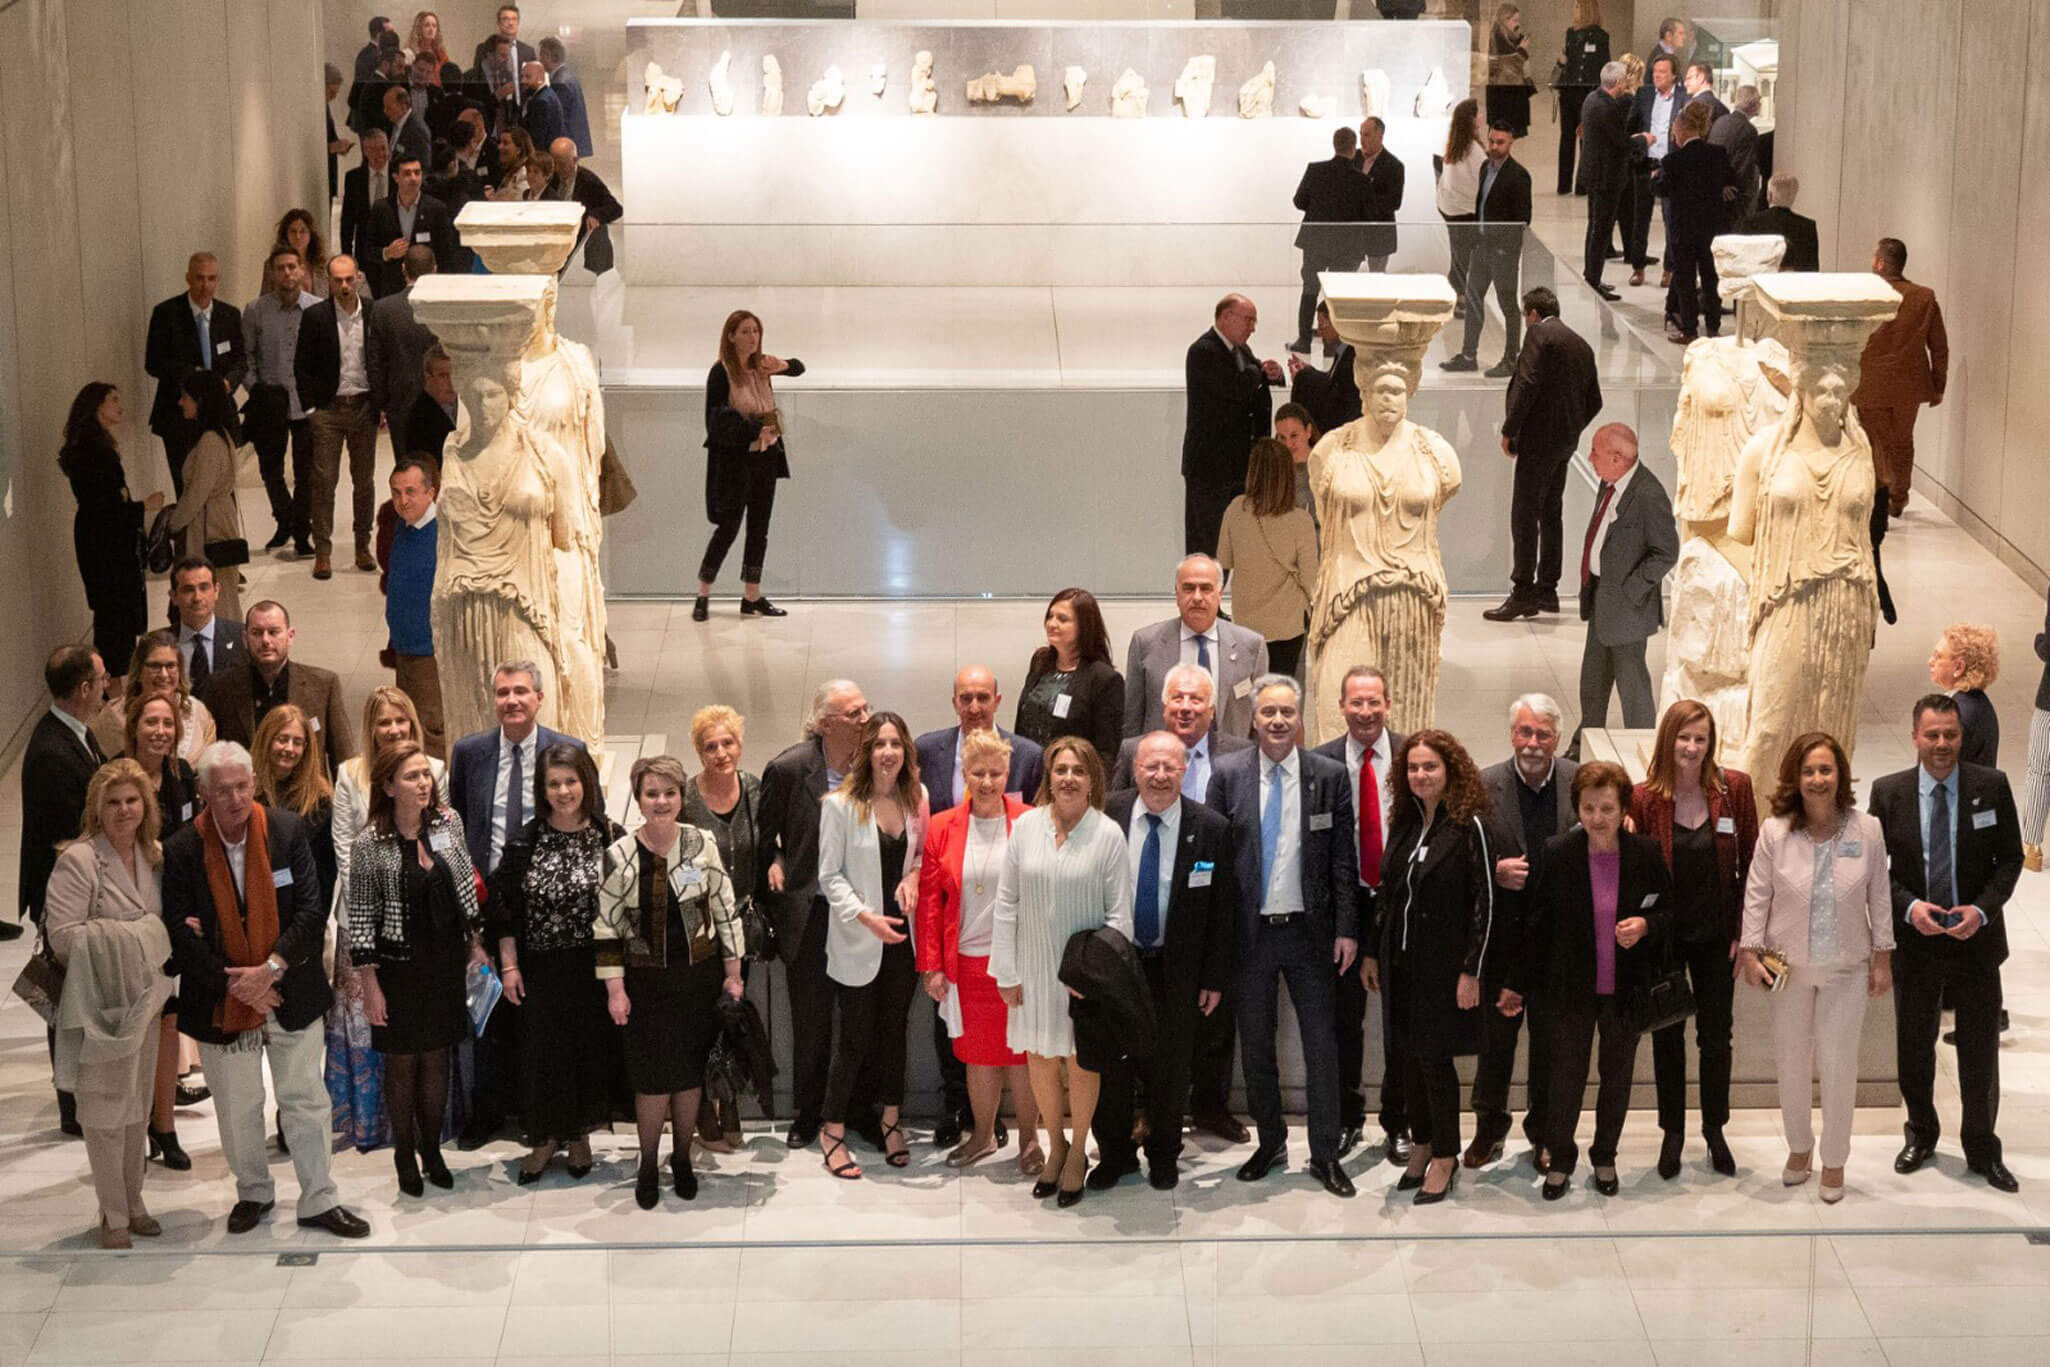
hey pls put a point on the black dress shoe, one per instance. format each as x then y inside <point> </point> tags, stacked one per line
<point>1224,1125</point>
<point>1719,1156</point>
<point>1409,1181</point>
<point>1510,609</point>
<point>1045,1186</point>
<point>435,1169</point>
<point>700,608</point>
<point>1395,1148</point>
<point>1164,1176</point>
<point>1996,1174</point>
<point>10,930</point>
<point>1912,1156</point>
<point>1349,1139</point>
<point>1548,602</point>
<point>1104,1176</point>
<point>1333,1177</point>
<point>1607,1186</point>
<point>648,1185</point>
<point>1263,1161</point>
<point>947,1133</point>
<point>1669,1154</point>
<point>191,1096</point>
<point>338,1222</point>
<point>245,1215</point>
<point>1459,363</point>
<point>278,538</point>
<point>1500,370</point>
<point>760,607</point>
<point>165,1146</point>
<point>1064,1199</point>
<point>1556,1190</point>
<point>407,1166</point>
<point>686,1180</point>
<point>801,1134</point>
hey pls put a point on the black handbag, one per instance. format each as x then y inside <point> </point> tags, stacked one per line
<point>159,544</point>
<point>227,554</point>
<point>1664,1001</point>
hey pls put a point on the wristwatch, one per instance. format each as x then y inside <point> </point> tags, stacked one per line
<point>276,967</point>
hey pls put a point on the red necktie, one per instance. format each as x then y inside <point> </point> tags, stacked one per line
<point>1594,524</point>
<point>1370,822</point>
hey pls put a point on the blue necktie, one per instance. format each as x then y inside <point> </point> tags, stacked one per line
<point>1942,879</point>
<point>1146,910</point>
<point>1196,778</point>
<point>206,342</point>
<point>1270,829</point>
<point>1203,651</point>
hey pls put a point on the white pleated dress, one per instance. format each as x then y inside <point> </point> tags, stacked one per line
<point>1045,895</point>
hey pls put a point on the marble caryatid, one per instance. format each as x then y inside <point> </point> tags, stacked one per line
<point>721,83</point>
<point>1731,388</point>
<point>1192,88</point>
<point>925,96</point>
<point>826,93</point>
<point>1021,85</point>
<point>1256,96</point>
<point>1801,499</point>
<point>665,92</point>
<point>772,86</point>
<point>1072,81</point>
<point>1376,91</point>
<point>1129,95</point>
<point>1378,484</point>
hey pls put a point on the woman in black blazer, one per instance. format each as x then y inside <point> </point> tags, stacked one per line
<point>1578,72</point>
<point>744,457</point>
<point>1071,687</point>
<point>1965,663</point>
<point>1437,910</point>
<point>1597,914</point>
<point>106,532</point>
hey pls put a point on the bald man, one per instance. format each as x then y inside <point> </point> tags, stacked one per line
<point>187,332</point>
<point>1631,542</point>
<point>1228,406</point>
<point>572,180</point>
<point>540,110</point>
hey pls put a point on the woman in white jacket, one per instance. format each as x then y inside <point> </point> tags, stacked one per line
<point>871,835</point>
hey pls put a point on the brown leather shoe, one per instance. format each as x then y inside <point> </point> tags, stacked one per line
<point>145,1225</point>
<point>113,1238</point>
<point>365,561</point>
<point>1637,277</point>
<point>1665,280</point>
<point>323,568</point>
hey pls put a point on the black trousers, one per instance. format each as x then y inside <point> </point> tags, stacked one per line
<point>1164,1075</point>
<point>1537,498</point>
<point>1694,294</point>
<point>1572,1027</point>
<point>761,502</point>
<point>953,1074</point>
<point>1460,237</point>
<point>1203,505</point>
<point>1430,1084</point>
<point>291,504</point>
<point>1495,263</point>
<point>1881,511</point>
<point>1315,261</point>
<point>811,1019</point>
<point>1571,98</point>
<point>1497,1065</point>
<point>1287,953</point>
<point>1636,204</point>
<point>1708,969</point>
<point>1603,209</point>
<point>1217,1037</point>
<point>872,1033</point>
<point>1922,982</point>
<point>1349,1014</point>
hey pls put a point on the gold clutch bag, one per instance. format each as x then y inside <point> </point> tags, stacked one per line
<point>1776,969</point>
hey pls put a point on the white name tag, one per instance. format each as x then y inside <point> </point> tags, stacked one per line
<point>423,238</point>
<point>1199,878</point>
<point>1590,47</point>
<point>1981,820</point>
<point>185,812</point>
<point>1725,825</point>
<point>1851,849</point>
<point>1061,704</point>
<point>1649,898</point>
<point>221,348</point>
<point>690,876</point>
<point>281,878</point>
<point>441,842</point>
<point>313,722</point>
<point>1242,689</point>
<point>1320,821</point>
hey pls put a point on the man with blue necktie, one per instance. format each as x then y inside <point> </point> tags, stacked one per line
<point>188,332</point>
<point>1183,912</point>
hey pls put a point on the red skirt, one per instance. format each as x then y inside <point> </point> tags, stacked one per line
<point>984,1018</point>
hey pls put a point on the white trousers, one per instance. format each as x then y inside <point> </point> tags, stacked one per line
<point>298,1061</point>
<point>1816,1020</point>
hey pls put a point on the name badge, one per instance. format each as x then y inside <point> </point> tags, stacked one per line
<point>1981,820</point>
<point>1590,47</point>
<point>1320,821</point>
<point>281,878</point>
<point>185,812</point>
<point>1850,849</point>
<point>423,238</point>
<point>221,347</point>
<point>441,842</point>
<point>690,875</point>
<point>313,723</point>
<point>1061,704</point>
<point>1725,825</point>
<point>1200,878</point>
<point>1242,689</point>
<point>1649,899</point>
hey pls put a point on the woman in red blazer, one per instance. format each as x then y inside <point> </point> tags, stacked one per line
<point>1705,819</point>
<point>957,897</point>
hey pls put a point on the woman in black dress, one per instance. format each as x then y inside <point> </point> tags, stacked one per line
<point>106,532</point>
<point>721,800</point>
<point>1071,687</point>
<point>1575,76</point>
<point>744,457</point>
<point>414,929</point>
<point>1437,917</point>
<point>543,900</point>
<point>669,942</point>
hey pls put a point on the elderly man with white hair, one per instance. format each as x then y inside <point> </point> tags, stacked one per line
<point>1631,542</point>
<point>1196,635</point>
<point>243,906</point>
<point>1188,706</point>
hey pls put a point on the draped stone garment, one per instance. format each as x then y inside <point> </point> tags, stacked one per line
<point>560,397</point>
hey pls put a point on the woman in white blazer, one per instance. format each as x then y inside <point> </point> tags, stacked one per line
<point>871,834</point>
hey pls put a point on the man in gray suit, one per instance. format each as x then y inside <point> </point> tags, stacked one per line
<point>394,349</point>
<point>1530,800</point>
<point>1631,542</point>
<point>1188,704</point>
<point>1233,655</point>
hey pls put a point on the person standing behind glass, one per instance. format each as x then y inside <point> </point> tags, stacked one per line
<point>106,531</point>
<point>1575,77</point>
<point>1509,83</point>
<point>1272,546</point>
<point>1066,870</point>
<point>1600,894</point>
<point>103,922</point>
<point>414,930</point>
<point>1819,899</point>
<point>1071,686</point>
<point>1964,664</point>
<point>668,943</point>
<point>871,834</point>
<point>1459,189</point>
<point>1705,821</point>
<point>723,801</point>
<point>542,902</point>
<point>744,457</point>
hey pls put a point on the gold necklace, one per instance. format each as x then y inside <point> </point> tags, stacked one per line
<point>988,858</point>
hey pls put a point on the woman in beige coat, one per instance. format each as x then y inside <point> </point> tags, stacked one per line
<point>1270,546</point>
<point>206,513</point>
<point>103,917</point>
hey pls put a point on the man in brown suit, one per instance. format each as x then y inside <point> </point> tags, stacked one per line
<point>1905,365</point>
<point>238,698</point>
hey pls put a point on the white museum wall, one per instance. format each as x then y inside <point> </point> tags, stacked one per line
<point>1896,130</point>
<point>136,135</point>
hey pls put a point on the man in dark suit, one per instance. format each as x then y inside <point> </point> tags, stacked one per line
<point>1605,166</point>
<point>495,81</point>
<point>239,698</point>
<point>787,825</point>
<point>1367,750</point>
<point>1735,133</point>
<point>405,123</point>
<point>243,906</point>
<point>332,369</point>
<point>1384,174</point>
<point>1699,190</point>
<point>1530,798</point>
<point>1954,852</point>
<point>1553,396</point>
<point>576,115</point>
<point>1698,83</point>
<point>409,218</point>
<point>365,184</point>
<point>1652,111</point>
<point>1333,196</point>
<point>1631,542</point>
<point>211,645</point>
<point>433,415</point>
<point>56,767</point>
<point>1228,408</point>
<point>395,346</point>
<point>1184,914</point>
<point>507,32</point>
<point>1502,213</point>
<point>541,110</point>
<point>1804,249</point>
<point>188,332</point>
<point>1298,873</point>
<point>380,65</point>
<point>581,183</point>
<point>1332,395</point>
<point>366,56</point>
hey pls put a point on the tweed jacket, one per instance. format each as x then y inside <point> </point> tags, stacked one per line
<point>627,935</point>
<point>377,887</point>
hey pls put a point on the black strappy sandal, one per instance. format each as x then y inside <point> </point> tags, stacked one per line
<point>896,1160</point>
<point>852,1171</point>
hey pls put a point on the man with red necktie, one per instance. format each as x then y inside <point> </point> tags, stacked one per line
<point>1631,542</point>
<point>1366,750</point>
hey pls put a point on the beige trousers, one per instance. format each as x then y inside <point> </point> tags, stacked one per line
<point>116,1157</point>
<point>298,1060</point>
<point>1816,1021</point>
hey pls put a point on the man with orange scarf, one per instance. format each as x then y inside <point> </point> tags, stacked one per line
<point>242,901</point>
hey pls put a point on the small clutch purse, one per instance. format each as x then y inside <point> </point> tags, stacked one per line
<point>1776,968</point>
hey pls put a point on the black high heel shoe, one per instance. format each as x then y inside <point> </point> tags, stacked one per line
<point>1432,1198</point>
<point>701,608</point>
<point>1669,1154</point>
<point>164,1147</point>
<point>1719,1156</point>
<point>579,1171</point>
<point>1049,1180</point>
<point>436,1171</point>
<point>760,607</point>
<point>686,1180</point>
<point>1608,1186</point>
<point>1064,1198</point>
<point>408,1168</point>
<point>648,1185</point>
<point>895,1160</point>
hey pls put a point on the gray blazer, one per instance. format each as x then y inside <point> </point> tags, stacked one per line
<point>1624,604</point>
<point>1242,658</point>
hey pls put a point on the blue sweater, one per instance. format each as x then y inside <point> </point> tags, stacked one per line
<point>409,587</point>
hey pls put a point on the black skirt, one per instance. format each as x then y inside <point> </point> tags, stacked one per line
<point>672,1021</point>
<point>565,1074</point>
<point>425,1003</point>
